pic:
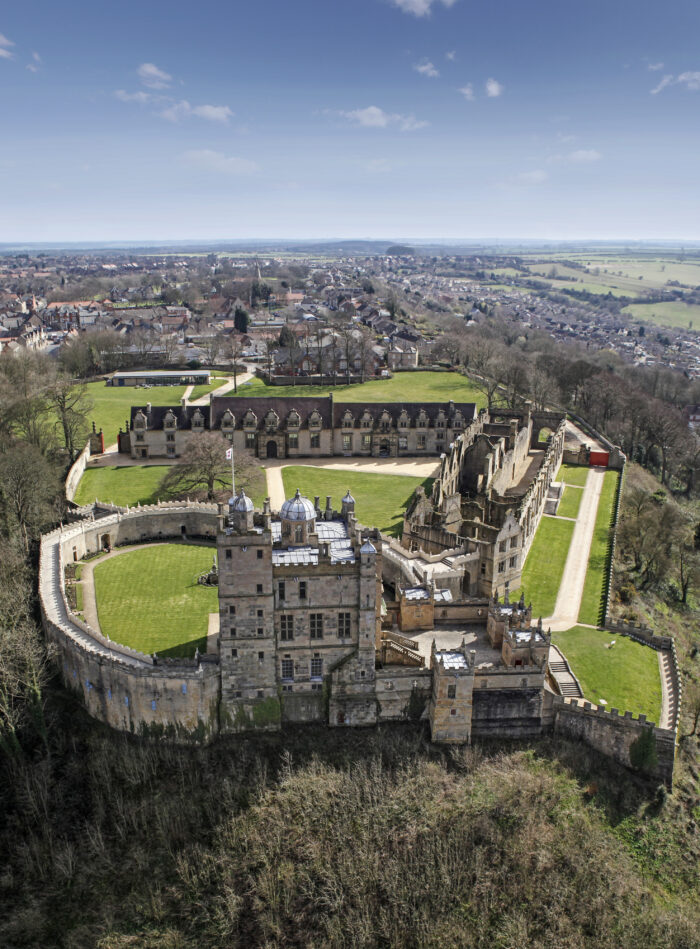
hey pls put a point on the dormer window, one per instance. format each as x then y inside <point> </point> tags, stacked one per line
<point>367,420</point>
<point>170,421</point>
<point>198,420</point>
<point>272,421</point>
<point>228,420</point>
<point>458,420</point>
<point>348,420</point>
<point>250,420</point>
<point>315,420</point>
<point>422,420</point>
<point>385,421</point>
<point>139,420</point>
<point>403,419</point>
<point>293,420</point>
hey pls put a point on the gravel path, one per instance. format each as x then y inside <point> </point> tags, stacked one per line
<point>568,602</point>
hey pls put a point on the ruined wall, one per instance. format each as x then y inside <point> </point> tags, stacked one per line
<point>76,471</point>
<point>614,734</point>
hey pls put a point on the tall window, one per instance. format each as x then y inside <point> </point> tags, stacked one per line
<point>317,667</point>
<point>250,440</point>
<point>316,621</point>
<point>347,442</point>
<point>287,670</point>
<point>287,627</point>
<point>280,590</point>
<point>315,440</point>
<point>343,625</point>
<point>302,589</point>
<point>293,440</point>
<point>421,442</point>
<point>366,442</point>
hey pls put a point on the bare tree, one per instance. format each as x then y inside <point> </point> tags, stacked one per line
<point>28,488</point>
<point>204,467</point>
<point>233,350</point>
<point>71,403</point>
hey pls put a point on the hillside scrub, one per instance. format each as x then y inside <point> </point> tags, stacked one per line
<point>325,837</point>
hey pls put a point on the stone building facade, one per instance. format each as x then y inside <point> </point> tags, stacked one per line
<point>308,426</point>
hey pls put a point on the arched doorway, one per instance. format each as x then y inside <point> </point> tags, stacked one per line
<point>106,544</point>
<point>271,449</point>
<point>384,448</point>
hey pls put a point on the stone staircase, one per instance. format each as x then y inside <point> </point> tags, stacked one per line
<point>567,682</point>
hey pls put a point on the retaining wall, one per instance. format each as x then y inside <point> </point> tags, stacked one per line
<point>124,688</point>
<point>613,734</point>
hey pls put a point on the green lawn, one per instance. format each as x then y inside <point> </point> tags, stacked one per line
<point>121,485</point>
<point>199,391</point>
<point>570,502</point>
<point>544,565</point>
<point>149,598</point>
<point>380,500</point>
<point>402,387</point>
<point>593,588</point>
<point>573,474</point>
<point>626,675</point>
<point>133,484</point>
<point>112,404</point>
<point>669,313</point>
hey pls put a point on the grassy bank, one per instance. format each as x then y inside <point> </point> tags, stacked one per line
<point>545,563</point>
<point>594,586</point>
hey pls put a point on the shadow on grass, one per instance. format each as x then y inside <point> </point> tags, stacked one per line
<point>184,650</point>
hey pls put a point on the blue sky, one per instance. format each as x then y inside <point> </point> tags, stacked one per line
<point>349,118</point>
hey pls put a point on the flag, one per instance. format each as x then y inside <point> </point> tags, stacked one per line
<point>229,454</point>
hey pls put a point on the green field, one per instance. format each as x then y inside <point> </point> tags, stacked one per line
<point>626,675</point>
<point>216,383</point>
<point>402,387</point>
<point>380,500</point>
<point>120,485</point>
<point>593,588</point>
<point>134,484</point>
<point>570,502</point>
<point>671,313</point>
<point>149,598</point>
<point>112,404</point>
<point>544,565</point>
<point>573,474</point>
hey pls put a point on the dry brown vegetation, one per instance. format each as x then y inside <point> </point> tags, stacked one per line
<point>325,837</point>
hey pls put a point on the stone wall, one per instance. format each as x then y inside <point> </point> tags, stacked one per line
<point>506,712</point>
<point>614,734</point>
<point>76,471</point>
<point>128,690</point>
<point>403,694</point>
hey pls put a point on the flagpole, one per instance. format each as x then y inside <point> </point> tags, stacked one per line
<point>233,477</point>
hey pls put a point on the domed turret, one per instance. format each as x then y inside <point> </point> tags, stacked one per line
<point>298,516</point>
<point>241,503</point>
<point>298,508</point>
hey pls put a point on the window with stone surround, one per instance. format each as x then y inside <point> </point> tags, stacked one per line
<point>315,440</point>
<point>287,670</point>
<point>286,627</point>
<point>343,625</point>
<point>316,667</point>
<point>316,625</point>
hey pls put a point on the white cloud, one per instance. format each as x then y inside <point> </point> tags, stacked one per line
<point>374,117</point>
<point>691,81</point>
<point>36,57</point>
<point>655,67</point>
<point>141,97</point>
<point>666,81</point>
<point>153,77</point>
<point>204,159</point>
<point>451,55</point>
<point>427,69</point>
<point>468,92</point>
<point>4,41</point>
<point>531,177</point>
<point>584,156</point>
<point>493,88</point>
<point>32,68</point>
<point>184,110</point>
<point>5,53</point>
<point>421,7</point>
